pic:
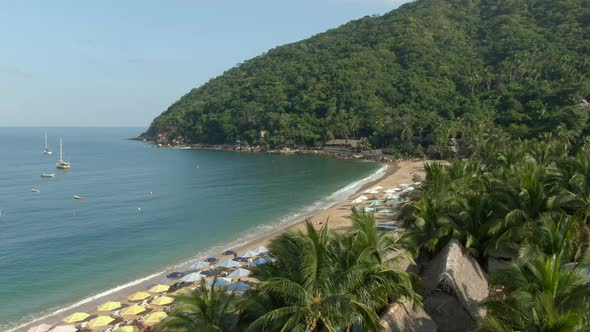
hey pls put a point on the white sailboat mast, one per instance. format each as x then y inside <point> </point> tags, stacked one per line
<point>45,140</point>
<point>60,151</point>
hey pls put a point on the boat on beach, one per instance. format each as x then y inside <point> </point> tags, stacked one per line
<point>46,150</point>
<point>61,164</point>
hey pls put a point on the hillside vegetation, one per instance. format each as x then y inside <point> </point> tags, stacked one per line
<point>440,67</point>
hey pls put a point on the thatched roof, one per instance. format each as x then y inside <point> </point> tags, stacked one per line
<point>460,275</point>
<point>400,316</point>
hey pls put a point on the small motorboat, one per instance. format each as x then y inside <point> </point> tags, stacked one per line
<point>47,175</point>
<point>77,197</point>
<point>35,190</point>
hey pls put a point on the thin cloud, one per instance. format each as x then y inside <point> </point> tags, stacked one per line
<point>14,72</point>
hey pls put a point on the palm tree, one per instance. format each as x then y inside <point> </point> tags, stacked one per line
<point>204,310</point>
<point>540,296</point>
<point>320,282</point>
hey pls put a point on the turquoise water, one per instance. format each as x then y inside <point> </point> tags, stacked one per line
<point>144,209</point>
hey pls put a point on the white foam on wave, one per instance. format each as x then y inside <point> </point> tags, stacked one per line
<point>258,231</point>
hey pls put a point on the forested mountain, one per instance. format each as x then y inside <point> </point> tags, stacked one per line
<point>441,67</point>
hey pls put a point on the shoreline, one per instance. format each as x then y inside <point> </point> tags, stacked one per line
<point>334,152</point>
<point>333,208</point>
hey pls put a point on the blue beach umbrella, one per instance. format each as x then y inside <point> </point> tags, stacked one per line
<point>385,211</point>
<point>238,287</point>
<point>211,260</point>
<point>193,277</point>
<point>198,265</point>
<point>219,282</point>
<point>260,261</point>
<point>229,264</point>
<point>261,250</point>
<point>240,273</point>
<point>228,252</point>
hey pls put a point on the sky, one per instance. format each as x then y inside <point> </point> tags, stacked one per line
<point>123,62</point>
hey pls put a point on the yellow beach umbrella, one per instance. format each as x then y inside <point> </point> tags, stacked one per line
<point>154,318</point>
<point>163,300</point>
<point>132,310</point>
<point>128,328</point>
<point>109,306</point>
<point>159,288</point>
<point>182,291</point>
<point>76,317</point>
<point>139,296</point>
<point>100,321</point>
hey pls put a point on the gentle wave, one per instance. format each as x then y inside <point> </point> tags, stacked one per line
<point>257,232</point>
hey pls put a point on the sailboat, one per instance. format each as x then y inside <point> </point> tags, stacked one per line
<point>61,164</point>
<point>46,150</point>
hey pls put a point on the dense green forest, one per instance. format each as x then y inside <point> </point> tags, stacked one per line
<point>438,67</point>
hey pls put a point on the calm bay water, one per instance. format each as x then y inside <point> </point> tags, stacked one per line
<point>143,209</point>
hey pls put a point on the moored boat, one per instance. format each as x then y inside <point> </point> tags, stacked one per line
<point>61,164</point>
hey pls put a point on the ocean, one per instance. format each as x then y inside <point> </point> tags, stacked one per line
<point>143,210</point>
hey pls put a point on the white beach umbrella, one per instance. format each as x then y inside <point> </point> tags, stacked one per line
<point>198,265</point>
<point>193,277</point>
<point>40,328</point>
<point>377,187</point>
<point>404,185</point>
<point>371,191</point>
<point>64,328</point>
<point>229,264</point>
<point>249,254</point>
<point>238,287</point>
<point>261,250</point>
<point>240,273</point>
<point>357,200</point>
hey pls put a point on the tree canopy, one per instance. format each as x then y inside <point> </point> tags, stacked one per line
<point>424,68</point>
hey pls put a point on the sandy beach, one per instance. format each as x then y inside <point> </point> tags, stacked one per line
<point>336,216</point>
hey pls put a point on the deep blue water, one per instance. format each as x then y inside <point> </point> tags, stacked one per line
<point>144,208</point>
